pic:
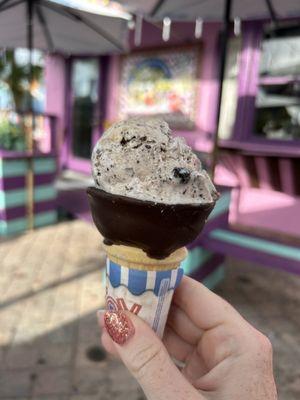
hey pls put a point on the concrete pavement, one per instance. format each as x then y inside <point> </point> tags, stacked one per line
<point>50,289</point>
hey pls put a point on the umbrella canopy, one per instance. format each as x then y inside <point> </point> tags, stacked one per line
<point>212,10</point>
<point>66,26</point>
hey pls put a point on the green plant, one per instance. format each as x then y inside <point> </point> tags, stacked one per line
<point>11,136</point>
<point>17,78</point>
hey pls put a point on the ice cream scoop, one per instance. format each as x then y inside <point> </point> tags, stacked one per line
<point>151,191</point>
<point>139,158</point>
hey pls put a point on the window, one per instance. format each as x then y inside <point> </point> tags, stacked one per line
<point>277,105</point>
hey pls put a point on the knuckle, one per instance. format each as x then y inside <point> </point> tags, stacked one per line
<point>264,345</point>
<point>142,360</point>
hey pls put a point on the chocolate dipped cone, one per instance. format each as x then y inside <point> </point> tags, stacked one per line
<point>158,229</point>
<point>144,244</point>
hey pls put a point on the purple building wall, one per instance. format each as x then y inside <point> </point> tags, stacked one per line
<point>244,206</point>
<point>208,85</point>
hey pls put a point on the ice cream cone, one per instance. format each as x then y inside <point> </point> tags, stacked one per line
<point>135,258</point>
<point>144,244</point>
<point>151,198</point>
<point>142,285</point>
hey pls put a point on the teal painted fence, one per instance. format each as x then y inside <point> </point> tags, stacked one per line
<point>11,201</point>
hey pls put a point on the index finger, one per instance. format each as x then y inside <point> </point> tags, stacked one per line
<point>205,308</point>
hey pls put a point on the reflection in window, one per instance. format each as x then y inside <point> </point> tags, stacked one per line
<point>278,98</point>
<point>280,56</point>
<point>230,89</point>
<point>85,98</point>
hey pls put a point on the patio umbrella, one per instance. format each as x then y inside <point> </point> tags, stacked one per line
<point>215,10</point>
<point>62,26</point>
<point>65,26</point>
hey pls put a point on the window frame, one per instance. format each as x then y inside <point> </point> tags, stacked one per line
<point>249,81</point>
<point>72,162</point>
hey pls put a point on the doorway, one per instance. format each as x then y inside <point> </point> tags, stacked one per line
<point>84,122</point>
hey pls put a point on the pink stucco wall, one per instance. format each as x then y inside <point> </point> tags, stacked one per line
<point>266,210</point>
<point>55,80</point>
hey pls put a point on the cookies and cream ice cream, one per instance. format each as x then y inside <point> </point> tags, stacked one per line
<point>139,158</point>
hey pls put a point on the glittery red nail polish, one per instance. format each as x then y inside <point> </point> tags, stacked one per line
<point>118,326</point>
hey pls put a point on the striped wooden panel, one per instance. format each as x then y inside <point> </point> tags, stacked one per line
<point>281,174</point>
<point>296,175</point>
<point>273,166</point>
<point>216,277</point>
<point>218,218</point>
<point>222,205</point>
<point>8,214</point>
<point>265,252</point>
<point>252,172</point>
<point>287,175</point>
<point>41,165</point>
<point>17,182</point>
<point>13,193</point>
<point>258,244</point>
<point>19,225</point>
<point>205,266</point>
<point>261,165</point>
<point>195,259</point>
<point>17,197</point>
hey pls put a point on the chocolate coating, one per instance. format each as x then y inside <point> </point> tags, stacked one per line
<point>157,228</point>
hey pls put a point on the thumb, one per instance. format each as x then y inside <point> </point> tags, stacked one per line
<point>146,358</point>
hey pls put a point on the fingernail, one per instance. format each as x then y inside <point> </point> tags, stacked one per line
<point>118,326</point>
<point>100,314</point>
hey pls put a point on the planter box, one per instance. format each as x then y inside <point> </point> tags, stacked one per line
<point>13,191</point>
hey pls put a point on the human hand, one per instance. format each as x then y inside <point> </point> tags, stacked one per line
<point>223,356</point>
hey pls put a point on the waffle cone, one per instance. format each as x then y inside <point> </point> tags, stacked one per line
<point>134,258</point>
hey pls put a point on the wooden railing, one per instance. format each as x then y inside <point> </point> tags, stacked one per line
<point>265,171</point>
<point>27,131</point>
